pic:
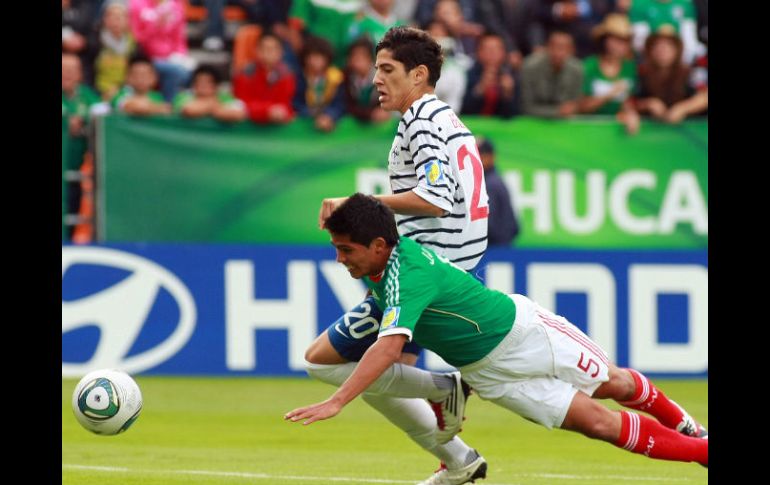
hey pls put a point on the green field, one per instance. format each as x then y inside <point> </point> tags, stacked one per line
<point>230,431</point>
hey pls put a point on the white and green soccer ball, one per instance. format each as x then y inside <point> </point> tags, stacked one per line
<point>106,401</point>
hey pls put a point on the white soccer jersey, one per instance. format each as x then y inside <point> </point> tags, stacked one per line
<point>435,156</point>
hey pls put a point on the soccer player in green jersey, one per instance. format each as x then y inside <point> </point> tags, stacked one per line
<point>509,349</point>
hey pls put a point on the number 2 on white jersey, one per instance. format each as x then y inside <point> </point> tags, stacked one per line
<point>477,170</point>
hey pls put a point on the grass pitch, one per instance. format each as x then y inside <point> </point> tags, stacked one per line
<point>227,431</point>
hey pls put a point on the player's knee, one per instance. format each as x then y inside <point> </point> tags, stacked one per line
<point>620,386</point>
<point>593,420</point>
<point>623,382</point>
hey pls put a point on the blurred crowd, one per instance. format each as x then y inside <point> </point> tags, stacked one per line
<point>315,59</point>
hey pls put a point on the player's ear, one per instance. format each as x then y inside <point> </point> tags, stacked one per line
<point>379,244</point>
<point>420,74</point>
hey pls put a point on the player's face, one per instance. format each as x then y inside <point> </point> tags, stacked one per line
<point>396,87</point>
<point>360,260</point>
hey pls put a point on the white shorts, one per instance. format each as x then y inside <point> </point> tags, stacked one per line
<point>539,366</point>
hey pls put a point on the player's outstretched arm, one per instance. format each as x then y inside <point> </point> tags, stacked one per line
<point>382,354</point>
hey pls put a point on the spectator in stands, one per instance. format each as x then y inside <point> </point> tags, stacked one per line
<point>204,98</point>
<point>552,80</point>
<point>77,101</point>
<point>464,32</point>
<point>577,17</point>
<point>610,78</point>
<point>666,89</point>
<point>374,19</point>
<point>78,18</point>
<point>328,20</point>
<point>159,27</point>
<point>319,87</point>
<point>426,11</point>
<point>648,15</point>
<point>361,99</point>
<point>515,22</point>
<point>450,87</point>
<point>115,46</point>
<point>503,226</point>
<point>267,87</point>
<point>491,88</point>
<point>256,13</point>
<point>76,97</point>
<point>138,97</point>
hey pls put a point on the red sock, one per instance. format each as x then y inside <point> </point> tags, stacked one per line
<point>640,434</point>
<point>650,399</point>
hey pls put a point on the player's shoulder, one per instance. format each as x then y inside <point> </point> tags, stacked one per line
<point>424,111</point>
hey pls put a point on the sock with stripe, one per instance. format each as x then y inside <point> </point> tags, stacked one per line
<point>651,400</point>
<point>640,434</point>
<point>416,419</point>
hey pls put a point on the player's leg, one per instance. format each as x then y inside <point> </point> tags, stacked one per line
<point>332,357</point>
<point>632,389</point>
<point>580,361</point>
<point>547,369</point>
<point>633,432</point>
<point>416,419</point>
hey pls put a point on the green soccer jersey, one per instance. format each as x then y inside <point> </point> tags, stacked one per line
<point>80,103</point>
<point>439,305</point>
<point>127,91</point>
<point>184,97</point>
<point>595,83</point>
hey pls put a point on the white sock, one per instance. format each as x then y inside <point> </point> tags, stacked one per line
<point>416,419</point>
<point>399,380</point>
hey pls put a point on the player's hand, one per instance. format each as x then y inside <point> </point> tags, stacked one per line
<point>315,412</point>
<point>327,207</point>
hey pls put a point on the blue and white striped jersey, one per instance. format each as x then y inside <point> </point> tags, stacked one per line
<point>435,156</point>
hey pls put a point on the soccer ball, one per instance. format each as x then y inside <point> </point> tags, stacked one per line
<point>106,401</point>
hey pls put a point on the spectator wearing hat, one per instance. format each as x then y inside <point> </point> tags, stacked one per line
<point>666,89</point>
<point>610,77</point>
<point>503,226</point>
<point>552,81</point>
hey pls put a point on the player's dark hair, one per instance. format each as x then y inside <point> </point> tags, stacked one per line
<point>413,47</point>
<point>364,218</point>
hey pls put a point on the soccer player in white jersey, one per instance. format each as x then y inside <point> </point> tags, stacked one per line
<point>513,352</point>
<point>438,192</point>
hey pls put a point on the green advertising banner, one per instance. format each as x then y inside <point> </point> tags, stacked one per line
<point>579,184</point>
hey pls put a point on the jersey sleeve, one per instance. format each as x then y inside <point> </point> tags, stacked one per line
<point>431,163</point>
<point>406,297</point>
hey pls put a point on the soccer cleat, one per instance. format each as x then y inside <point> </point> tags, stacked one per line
<point>451,411</point>
<point>469,473</point>
<point>689,427</point>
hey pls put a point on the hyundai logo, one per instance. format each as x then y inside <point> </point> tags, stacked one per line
<point>120,311</point>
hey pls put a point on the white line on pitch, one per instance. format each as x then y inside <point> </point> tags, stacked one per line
<point>265,476</point>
